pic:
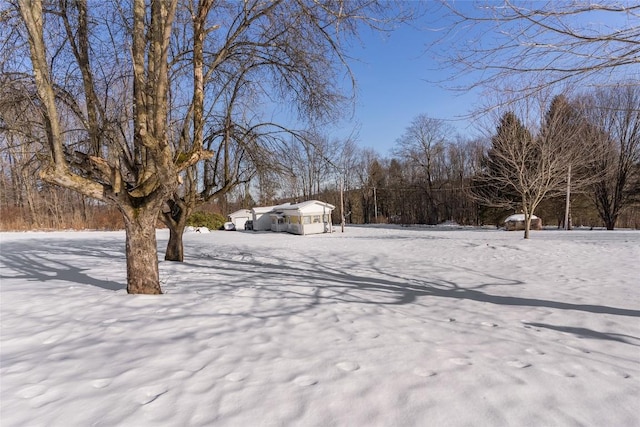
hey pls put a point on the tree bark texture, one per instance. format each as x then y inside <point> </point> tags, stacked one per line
<point>142,253</point>
<point>175,248</point>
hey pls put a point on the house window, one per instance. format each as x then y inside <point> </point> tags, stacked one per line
<point>316,219</point>
<point>295,219</point>
<point>306,220</point>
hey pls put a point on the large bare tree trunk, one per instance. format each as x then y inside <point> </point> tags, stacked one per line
<point>142,253</point>
<point>155,173</point>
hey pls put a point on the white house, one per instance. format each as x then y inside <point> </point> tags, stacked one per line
<point>261,218</point>
<point>310,217</point>
<point>239,218</point>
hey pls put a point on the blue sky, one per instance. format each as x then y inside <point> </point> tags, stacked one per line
<point>396,81</point>
<point>396,76</point>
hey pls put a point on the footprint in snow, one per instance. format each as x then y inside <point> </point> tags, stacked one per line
<point>559,372</point>
<point>461,361</point>
<point>616,373</point>
<point>305,381</point>
<point>489,324</point>
<point>101,382</point>
<point>236,377</point>
<point>39,395</point>
<point>52,339</point>
<point>424,372</point>
<point>31,391</point>
<point>518,364</point>
<point>348,366</point>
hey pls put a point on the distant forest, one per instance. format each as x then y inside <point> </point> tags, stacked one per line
<point>434,176</point>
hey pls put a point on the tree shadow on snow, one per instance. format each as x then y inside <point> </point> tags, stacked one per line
<point>374,286</point>
<point>588,333</point>
<point>334,279</point>
<point>47,262</point>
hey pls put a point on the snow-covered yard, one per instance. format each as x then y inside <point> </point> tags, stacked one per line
<point>373,327</point>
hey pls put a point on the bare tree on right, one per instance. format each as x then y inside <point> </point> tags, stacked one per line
<point>523,167</point>
<point>613,116</point>
<point>528,47</point>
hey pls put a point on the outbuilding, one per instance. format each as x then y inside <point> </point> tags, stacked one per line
<point>310,217</point>
<point>516,222</point>
<point>239,218</point>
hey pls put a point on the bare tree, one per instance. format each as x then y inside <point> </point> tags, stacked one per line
<point>366,170</point>
<point>523,168</point>
<point>461,164</point>
<point>613,116</point>
<point>529,46</point>
<point>136,175</point>
<point>423,145</point>
<point>268,52</point>
<point>126,125</point>
<point>310,160</point>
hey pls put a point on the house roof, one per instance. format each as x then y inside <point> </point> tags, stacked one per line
<point>241,212</point>
<point>267,209</point>
<point>311,206</point>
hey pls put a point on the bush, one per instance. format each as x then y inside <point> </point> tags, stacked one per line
<point>212,221</point>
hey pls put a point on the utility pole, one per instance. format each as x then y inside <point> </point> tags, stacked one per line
<point>567,216</point>
<point>375,204</point>
<point>342,203</point>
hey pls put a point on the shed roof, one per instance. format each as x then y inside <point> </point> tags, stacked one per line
<point>518,217</point>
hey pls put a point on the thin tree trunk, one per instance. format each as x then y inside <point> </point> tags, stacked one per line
<point>342,204</point>
<point>176,221</point>
<point>527,223</point>
<point>567,208</point>
<point>175,247</point>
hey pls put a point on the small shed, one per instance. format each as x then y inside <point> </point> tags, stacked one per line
<point>239,218</point>
<point>516,222</point>
<point>310,217</point>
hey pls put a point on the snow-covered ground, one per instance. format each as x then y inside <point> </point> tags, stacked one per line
<point>373,327</point>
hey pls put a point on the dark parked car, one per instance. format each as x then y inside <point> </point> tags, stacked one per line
<point>248,225</point>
